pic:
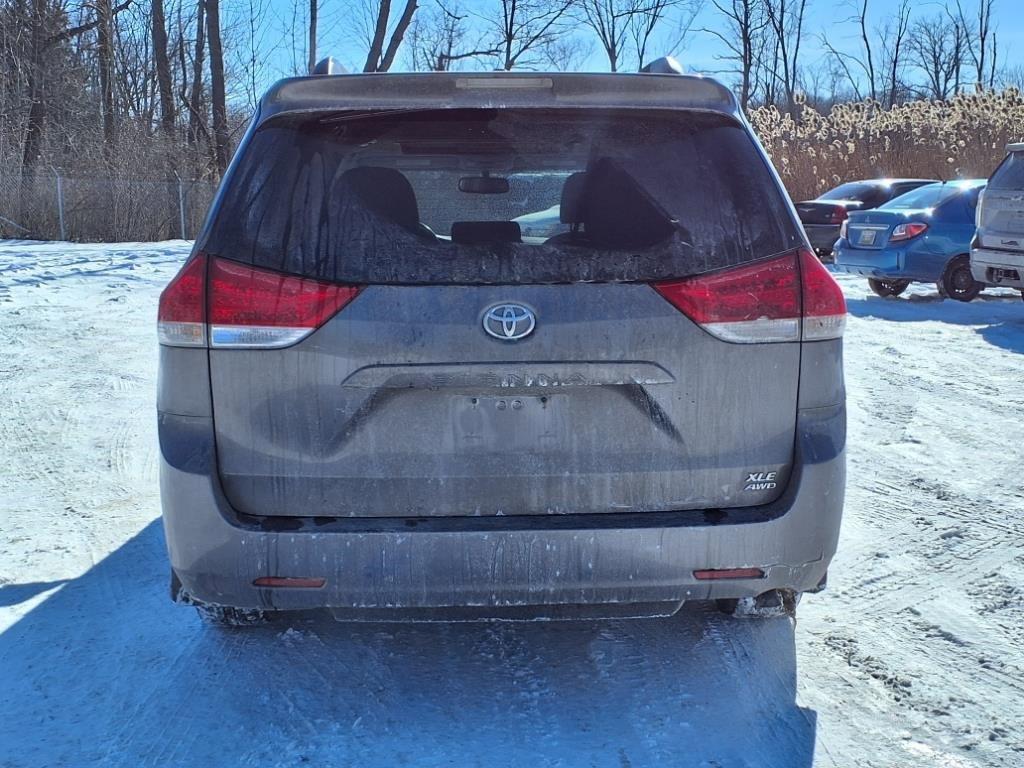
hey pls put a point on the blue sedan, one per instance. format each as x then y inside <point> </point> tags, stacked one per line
<point>921,236</point>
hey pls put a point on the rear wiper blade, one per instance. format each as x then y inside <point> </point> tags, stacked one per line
<point>350,116</point>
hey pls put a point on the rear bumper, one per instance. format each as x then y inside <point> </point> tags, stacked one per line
<point>501,563</point>
<point>884,263</point>
<point>1004,268</point>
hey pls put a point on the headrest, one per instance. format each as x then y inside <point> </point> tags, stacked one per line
<point>618,213</point>
<point>571,208</point>
<point>384,191</point>
<point>486,232</point>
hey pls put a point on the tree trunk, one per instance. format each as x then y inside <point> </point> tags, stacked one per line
<point>397,35</point>
<point>220,111</point>
<point>379,59</point>
<point>377,43</point>
<point>105,59</point>
<point>313,9</point>
<point>195,120</point>
<point>35,87</point>
<point>163,69</point>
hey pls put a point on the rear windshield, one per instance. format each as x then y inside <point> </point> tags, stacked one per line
<point>1009,176</point>
<point>500,196</point>
<point>928,196</point>
<point>863,193</point>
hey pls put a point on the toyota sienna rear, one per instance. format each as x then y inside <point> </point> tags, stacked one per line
<point>500,346</point>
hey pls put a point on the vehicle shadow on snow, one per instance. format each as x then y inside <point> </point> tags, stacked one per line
<point>1000,317</point>
<point>107,670</point>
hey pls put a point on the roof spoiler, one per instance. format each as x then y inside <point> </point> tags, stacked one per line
<point>1018,147</point>
<point>666,65</point>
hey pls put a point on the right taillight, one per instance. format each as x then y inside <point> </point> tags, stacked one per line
<point>224,303</point>
<point>785,298</point>
<point>907,231</point>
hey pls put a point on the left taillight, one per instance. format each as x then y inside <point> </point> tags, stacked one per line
<point>785,298</point>
<point>181,318</point>
<point>232,305</point>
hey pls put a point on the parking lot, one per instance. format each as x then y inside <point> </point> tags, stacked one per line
<point>912,657</point>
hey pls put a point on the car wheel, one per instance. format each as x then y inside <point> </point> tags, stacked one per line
<point>958,282</point>
<point>227,616</point>
<point>888,287</point>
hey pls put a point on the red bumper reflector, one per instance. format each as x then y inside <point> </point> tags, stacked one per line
<point>710,574</point>
<point>287,581</point>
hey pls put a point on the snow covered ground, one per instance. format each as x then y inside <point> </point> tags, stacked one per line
<point>913,657</point>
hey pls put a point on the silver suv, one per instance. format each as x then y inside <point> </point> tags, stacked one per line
<point>500,346</point>
<point>997,252</point>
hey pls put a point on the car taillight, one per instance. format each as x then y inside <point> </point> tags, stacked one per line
<point>181,319</point>
<point>250,307</point>
<point>784,298</point>
<point>844,228</point>
<point>239,306</point>
<point>824,306</point>
<point>839,214</point>
<point>907,231</point>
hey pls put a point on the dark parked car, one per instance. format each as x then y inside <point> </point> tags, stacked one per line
<point>823,216</point>
<point>388,390</point>
<point>922,236</point>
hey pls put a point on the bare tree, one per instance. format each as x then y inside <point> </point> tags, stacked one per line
<point>221,135</point>
<point>522,28</point>
<point>610,20</point>
<point>786,25</point>
<point>745,23</point>
<point>437,39</point>
<point>566,53</point>
<point>979,41</point>
<point>380,58</point>
<point>619,23</point>
<point>856,67</point>
<point>675,16</point>
<point>894,36</point>
<point>105,62</point>
<point>163,67</point>
<point>937,49</point>
<point>314,7</point>
<point>47,29</point>
<point>880,62</point>
<point>196,117</point>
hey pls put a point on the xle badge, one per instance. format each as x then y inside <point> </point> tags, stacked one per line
<point>760,481</point>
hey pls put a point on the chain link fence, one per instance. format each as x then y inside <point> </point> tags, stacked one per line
<point>50,206</point>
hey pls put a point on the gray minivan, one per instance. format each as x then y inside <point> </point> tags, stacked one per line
<point>382,394</point>
<point>997,253</point>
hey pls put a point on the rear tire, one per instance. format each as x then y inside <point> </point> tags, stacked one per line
<point>227,616</point>
<point>886,288</point>
<point>958,282</point>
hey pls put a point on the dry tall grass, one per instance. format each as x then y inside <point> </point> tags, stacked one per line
<point>964,137</point>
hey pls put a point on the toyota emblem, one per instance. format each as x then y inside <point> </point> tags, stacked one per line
<point>509,322</point>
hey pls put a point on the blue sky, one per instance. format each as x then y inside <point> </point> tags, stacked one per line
<point>700,50</point>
